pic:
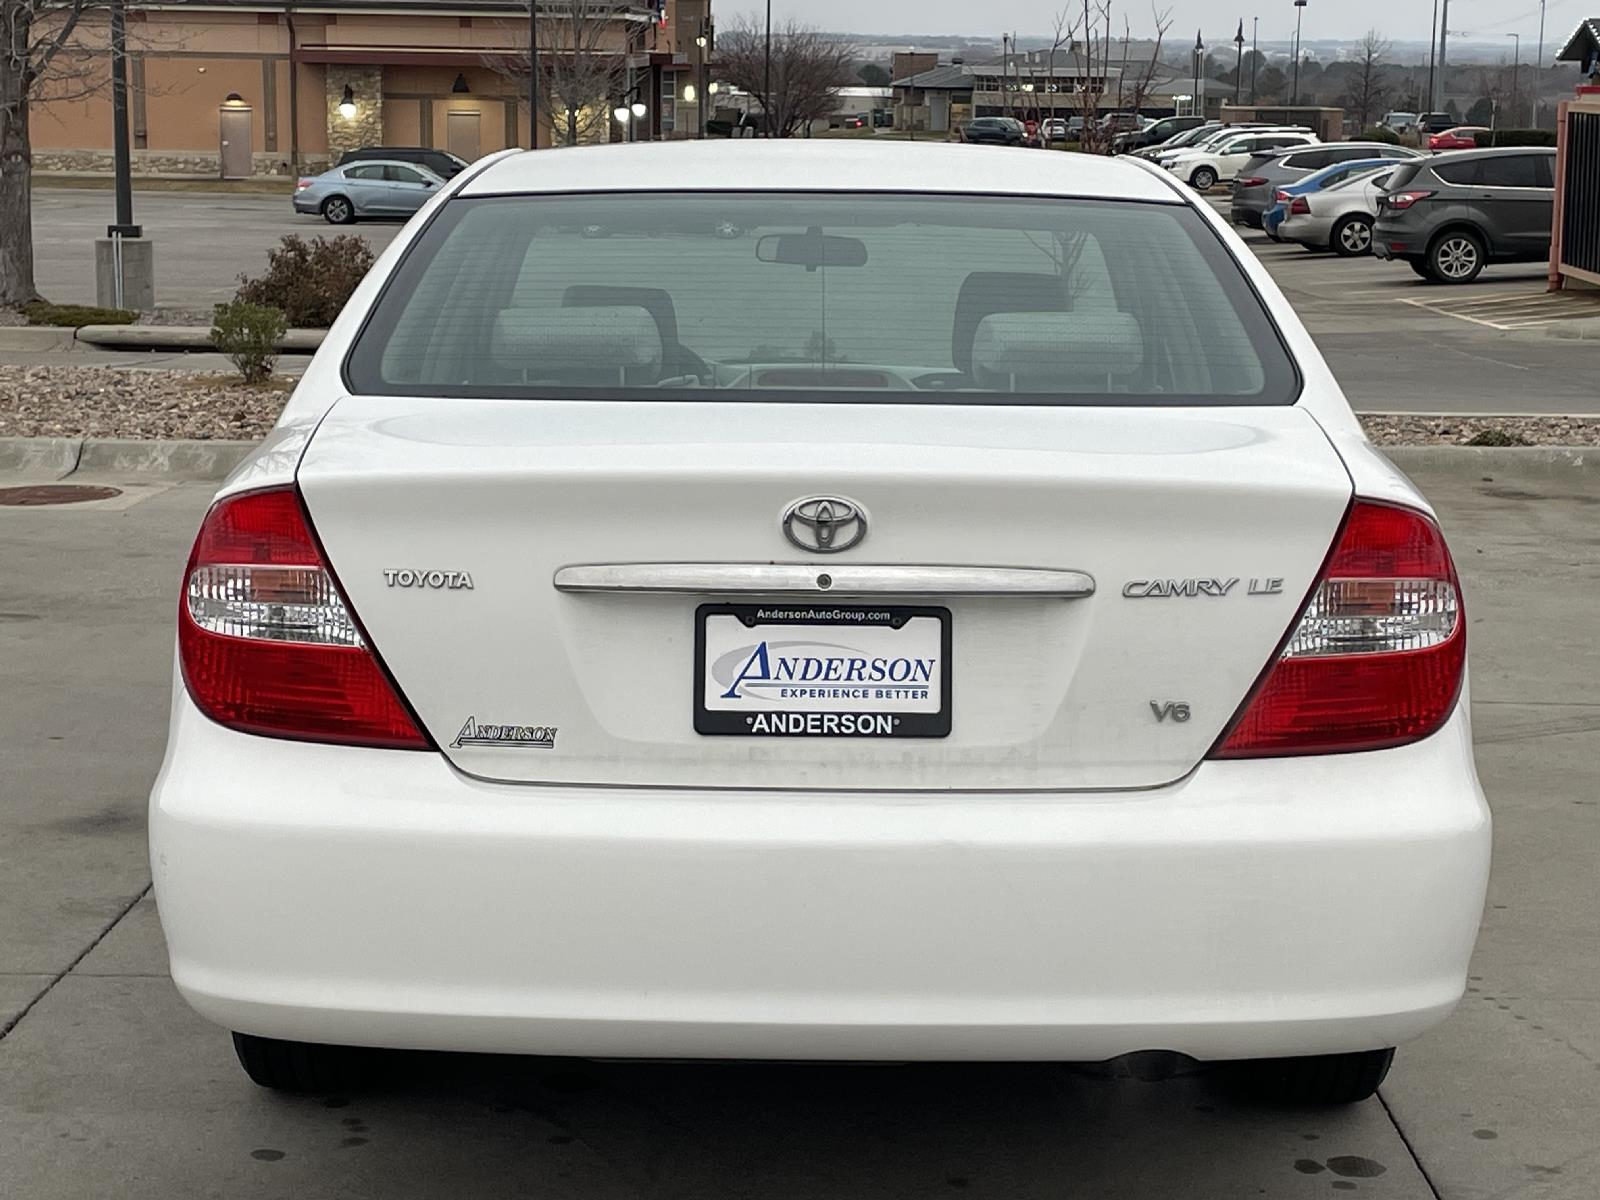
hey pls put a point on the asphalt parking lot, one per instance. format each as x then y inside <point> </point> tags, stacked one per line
<point>109,1086</point>
<point>1396,343</point>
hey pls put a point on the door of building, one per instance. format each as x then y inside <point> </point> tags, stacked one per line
<point>462,134</point>
<point>234,149</point>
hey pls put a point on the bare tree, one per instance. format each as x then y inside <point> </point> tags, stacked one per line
<point>582,65</point>
<point>807,71</point>
<point>1135,93</point>
<point>38,61</point>
<point>1368,92</point>
<point>1089,35</point>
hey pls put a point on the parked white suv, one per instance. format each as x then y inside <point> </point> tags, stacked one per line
<point>1203,167</point>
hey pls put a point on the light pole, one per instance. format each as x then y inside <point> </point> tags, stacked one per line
<point>1436,99</point>
<point>1299,11</point>
<point>1516,62</point>
<point>766,96</point>
<point>1238,65</point>
<point>1433,46</point>
<point>629,116</point>
<point>533,75</point>
<point>1199,62</point>
<point>705,42</point>
<point>1255,54</point>
<point>1539,63</point>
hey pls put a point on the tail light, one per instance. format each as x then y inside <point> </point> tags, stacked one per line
<point>1299,206</point>
<point>302,185</point>
<point>267,641</point>
<point>1404,199</point>
<point>1253,181</point>
<point>1377,655</point>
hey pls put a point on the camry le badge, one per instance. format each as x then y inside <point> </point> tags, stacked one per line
<point>825,524</point>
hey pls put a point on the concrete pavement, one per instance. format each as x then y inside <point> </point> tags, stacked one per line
<point>109,1086</point>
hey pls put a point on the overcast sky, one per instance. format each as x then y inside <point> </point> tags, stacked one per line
<point>1397,20</point>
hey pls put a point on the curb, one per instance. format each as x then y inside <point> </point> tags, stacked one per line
<point>50,457</point>
<point>185,337</point>
<point>1475,460</point>
<point>182,460</point>
<point>35,338</point>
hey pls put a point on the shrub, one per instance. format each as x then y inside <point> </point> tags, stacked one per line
<point>248,334</point>
<point>1380,133</point>
<point>42,313</point>
<point>1517,137</point>
<point>1497,437</point>
<point>309,282</point>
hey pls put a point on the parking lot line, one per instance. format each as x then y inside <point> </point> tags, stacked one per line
<point>1518,310</point>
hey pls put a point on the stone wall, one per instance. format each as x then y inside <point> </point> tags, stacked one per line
<point>366,127</point>
<point>163,162</point>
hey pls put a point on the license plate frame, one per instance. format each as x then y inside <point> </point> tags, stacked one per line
<point>913,717</point>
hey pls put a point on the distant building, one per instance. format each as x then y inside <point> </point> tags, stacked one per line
<point>241,87</point>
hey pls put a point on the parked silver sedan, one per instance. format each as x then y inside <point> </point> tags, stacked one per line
<point>1337,218</point>
<point>366,189</point>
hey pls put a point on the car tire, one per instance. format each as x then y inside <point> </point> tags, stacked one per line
<point>337,210</point>
<point>302,1066</point>
<point>1319,1080</point>
<point>1420,266</point>
<point>1456,257</point>
<point>1203,179</point>
<point>1352,236</point>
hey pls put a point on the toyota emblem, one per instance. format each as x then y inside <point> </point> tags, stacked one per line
<point>825,524</point>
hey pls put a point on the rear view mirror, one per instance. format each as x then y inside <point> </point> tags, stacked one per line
<point>812,249</point>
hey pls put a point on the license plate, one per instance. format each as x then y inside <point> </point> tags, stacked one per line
<point>818,670</point>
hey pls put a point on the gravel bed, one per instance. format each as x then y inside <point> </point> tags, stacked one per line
<point>141,403</point>
<point>1460,431</point>
<point>117,402</point>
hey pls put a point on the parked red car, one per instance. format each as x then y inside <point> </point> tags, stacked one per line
<point>1463,137</point>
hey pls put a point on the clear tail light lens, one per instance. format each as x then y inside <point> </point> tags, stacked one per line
<point>267,642</point>
<point>1378,653</point>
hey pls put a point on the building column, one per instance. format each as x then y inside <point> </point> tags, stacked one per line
<point>365,127</point>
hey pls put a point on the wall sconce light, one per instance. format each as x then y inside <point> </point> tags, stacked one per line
<point>459,87</point>
<point>233,100</point>
<point>347,105</point>
<point>690,95</point>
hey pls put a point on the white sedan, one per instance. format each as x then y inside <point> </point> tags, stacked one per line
<point>950,620</point>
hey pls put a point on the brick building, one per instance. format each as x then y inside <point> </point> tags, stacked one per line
<point>235,87</point>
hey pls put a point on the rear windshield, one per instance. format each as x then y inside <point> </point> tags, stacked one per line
<point>873,298</point>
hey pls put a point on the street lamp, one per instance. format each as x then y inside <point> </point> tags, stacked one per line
<point>629,116</point>
<point>1199,75</point>
<point>1238,63</point>
<point>1299,11</point>
<point>705,42</point>
<point>1516,62</point>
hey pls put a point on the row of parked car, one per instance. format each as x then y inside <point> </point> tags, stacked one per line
<point>1447,214</point>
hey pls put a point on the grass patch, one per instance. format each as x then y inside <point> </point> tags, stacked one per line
<point>74,315</point>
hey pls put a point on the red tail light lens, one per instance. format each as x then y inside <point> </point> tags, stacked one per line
<point>1299,206</point>
<point>1253,181</point>
<point>1377,655</point>
<point>1404,199</point>
<point>267,642</point>
<point>1280,195</point>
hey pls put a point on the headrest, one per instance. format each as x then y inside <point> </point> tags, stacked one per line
<point>576,339</point>
<point>1038,351</point>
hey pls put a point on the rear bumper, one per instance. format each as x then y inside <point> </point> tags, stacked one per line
<point>1308,230</point>
<point>1252,909</point>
